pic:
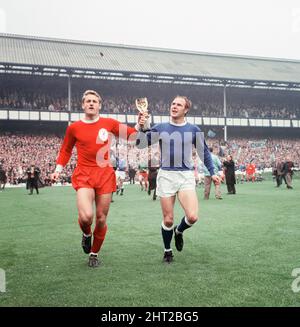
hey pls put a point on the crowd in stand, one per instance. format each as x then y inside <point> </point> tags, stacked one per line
<point>119,98</point>
<point>126,105</point>
<point>263,152</point>
<point>18,152</point>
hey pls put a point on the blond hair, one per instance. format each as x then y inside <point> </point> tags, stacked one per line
<point>92,92</point>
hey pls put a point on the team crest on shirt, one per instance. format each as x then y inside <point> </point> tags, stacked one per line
<point>103,134</point>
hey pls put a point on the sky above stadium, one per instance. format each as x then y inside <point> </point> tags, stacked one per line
<point>265,28</point>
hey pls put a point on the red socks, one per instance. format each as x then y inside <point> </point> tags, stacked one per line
<point>99,236</point>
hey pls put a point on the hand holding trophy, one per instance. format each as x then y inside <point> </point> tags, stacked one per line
<point>142,107</point>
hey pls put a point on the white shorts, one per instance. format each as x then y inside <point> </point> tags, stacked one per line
<point>169,182</point>
<point>120,174</point>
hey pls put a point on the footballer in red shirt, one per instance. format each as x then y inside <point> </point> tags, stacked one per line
<point>94,177</point>
<point>250,171</point>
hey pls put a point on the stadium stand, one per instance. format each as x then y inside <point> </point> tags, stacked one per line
<point>46,94</point>
<point>241,103</point>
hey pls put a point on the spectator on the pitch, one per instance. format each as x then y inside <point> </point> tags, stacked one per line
<point>229,171</point>
<point>288,172</point>
<point>207,178</point>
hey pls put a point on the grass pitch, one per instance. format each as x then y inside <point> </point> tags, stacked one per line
<point>240,253</point>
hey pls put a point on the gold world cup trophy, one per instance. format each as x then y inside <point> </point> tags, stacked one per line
<point>142,105</point>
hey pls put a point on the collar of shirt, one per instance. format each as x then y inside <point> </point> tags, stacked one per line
<point>90,121</point>
<point>182,124</point>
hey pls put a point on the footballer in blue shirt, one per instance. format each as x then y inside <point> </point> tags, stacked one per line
<point>177,138</point>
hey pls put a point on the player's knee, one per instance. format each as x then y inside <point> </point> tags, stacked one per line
<point>168,221</point>
<point>192,218</point>
<point>101,218</point>
<point>86,218</point>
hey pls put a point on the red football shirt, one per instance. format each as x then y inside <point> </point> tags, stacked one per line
<point>250,169</point>
<point>92,141</point>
